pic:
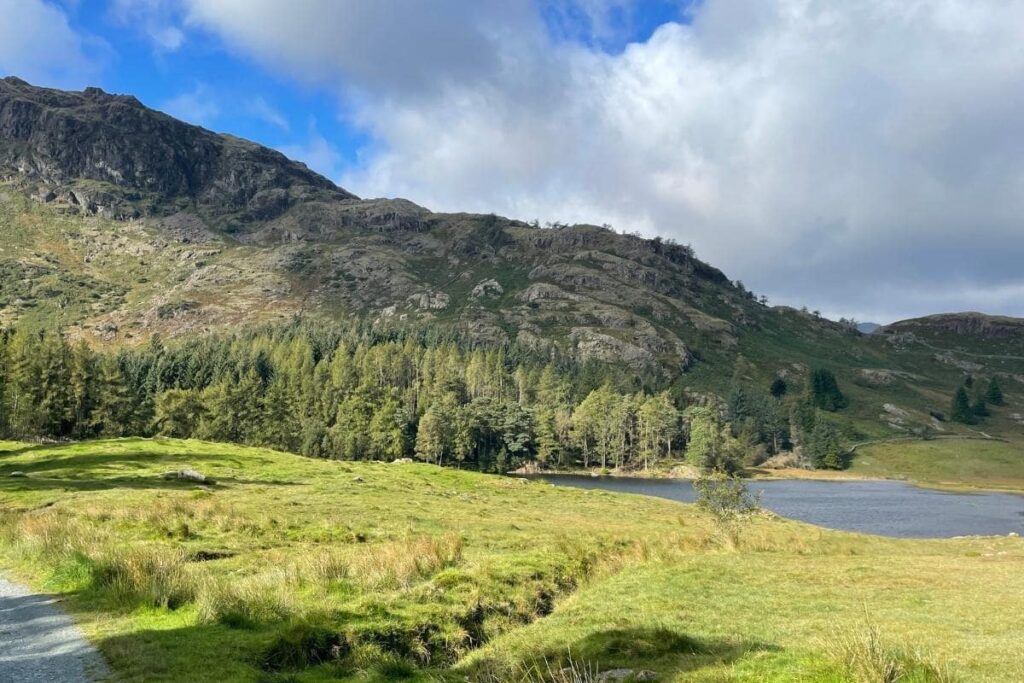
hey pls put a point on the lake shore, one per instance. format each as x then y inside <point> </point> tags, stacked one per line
<point>779,474</point>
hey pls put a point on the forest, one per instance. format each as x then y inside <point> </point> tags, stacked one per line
<point>352,392</point>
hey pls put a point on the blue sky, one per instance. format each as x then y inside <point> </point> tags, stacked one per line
<point>862,158</point>
<point>203,81</point>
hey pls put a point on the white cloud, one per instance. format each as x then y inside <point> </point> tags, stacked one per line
<point>259,108</point>
<point>157,19</point>
<point>199,106</point>
<point>316,152</point>
<point>854,156</point>
<point>38,45</point>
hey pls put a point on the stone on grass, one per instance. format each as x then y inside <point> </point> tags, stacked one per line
<point>622,675</point>
<point>17,474</point>
<point>188,475</point>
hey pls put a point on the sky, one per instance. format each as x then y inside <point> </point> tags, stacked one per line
<point>865,159</point>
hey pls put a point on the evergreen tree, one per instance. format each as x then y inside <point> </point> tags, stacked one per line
<point>980,408</point>
<point>823,449</point>
<point>824,391</point>
<point>387,432</point>
<point>994,393</point>
<point>778,388</point>
<point>179,412</point>
<point>113,411</point>
<point>83,390</point>
<point>960,410</point>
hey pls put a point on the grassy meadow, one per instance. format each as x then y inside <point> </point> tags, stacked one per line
<point>944,463</point>
<point>290,569</point>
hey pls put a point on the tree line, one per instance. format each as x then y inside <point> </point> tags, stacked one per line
<point>352,393</point>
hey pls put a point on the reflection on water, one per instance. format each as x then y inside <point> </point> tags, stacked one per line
<point>887,508</point>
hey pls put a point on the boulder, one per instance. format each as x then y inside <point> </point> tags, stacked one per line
<point>188,475</point>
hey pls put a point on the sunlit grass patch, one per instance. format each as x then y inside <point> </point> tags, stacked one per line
<point>289,569</point>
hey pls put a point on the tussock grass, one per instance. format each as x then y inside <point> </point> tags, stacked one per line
<point>399,564</point>
<point>247,602</point>
<point>865,657</point>
<point>147,576</point>
<point>546,670</point>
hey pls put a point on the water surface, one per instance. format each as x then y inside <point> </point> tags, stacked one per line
<point>887,508</point>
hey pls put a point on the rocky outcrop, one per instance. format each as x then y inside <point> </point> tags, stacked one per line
<point>962,324</point>
<point>110,154</point>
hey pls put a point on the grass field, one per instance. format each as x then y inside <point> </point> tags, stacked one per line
<point>952,463</point>
<point>289,569</point>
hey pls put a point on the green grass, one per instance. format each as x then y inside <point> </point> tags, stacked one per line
<point>945,462</point>
<point>295,569</point>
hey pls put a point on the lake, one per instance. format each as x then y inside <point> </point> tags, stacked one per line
<point>886,508</point>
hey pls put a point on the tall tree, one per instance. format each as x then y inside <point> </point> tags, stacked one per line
<point>994,393</point>
<point>960,410</point>
<point>824,391</point>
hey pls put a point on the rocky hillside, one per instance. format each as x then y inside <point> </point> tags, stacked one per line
<point>992,332</point>
<point>120,221</point>
<point>170,227</point>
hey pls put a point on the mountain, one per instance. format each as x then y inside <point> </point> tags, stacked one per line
<point>120,222</point>
<point>868,328</point>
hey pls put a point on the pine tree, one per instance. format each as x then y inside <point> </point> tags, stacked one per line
<point>83,390</point>
<point>387,433</point>
<point>980,408</point>
<point>824,391</point>
<point>778,388</point>
<point>112,414</point>
<point>823,449</point>
<point>960,410</point>
<point>994,393</point>
<point>179,412</point>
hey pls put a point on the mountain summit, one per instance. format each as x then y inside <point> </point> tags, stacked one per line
<point>112,155</point>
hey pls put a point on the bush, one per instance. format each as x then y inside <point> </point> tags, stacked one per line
<point>730,504</point>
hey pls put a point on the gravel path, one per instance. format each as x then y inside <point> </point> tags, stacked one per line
<point>39,643</point>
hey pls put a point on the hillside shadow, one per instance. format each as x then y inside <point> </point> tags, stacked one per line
<point>103,470</point>
<point>666,651</point>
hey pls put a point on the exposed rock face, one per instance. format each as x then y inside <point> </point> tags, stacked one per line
<point>138,158</point>
<point>489,287</point>
<point>963,324</point>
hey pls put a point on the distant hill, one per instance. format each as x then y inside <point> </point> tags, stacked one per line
<point>868,328</point>
<point>120,222</point>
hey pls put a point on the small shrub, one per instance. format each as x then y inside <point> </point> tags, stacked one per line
<point>730,504</point>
